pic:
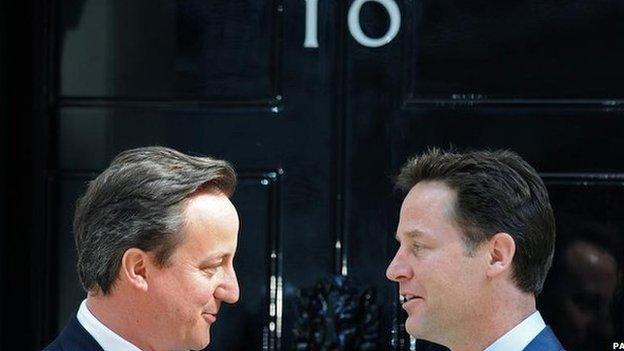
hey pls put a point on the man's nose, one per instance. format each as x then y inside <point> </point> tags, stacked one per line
<point>229,290</point>
<point>398,270</point>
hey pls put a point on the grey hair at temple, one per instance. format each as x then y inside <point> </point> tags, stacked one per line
<point>139,201</point>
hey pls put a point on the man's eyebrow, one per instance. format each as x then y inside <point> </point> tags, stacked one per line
<point>412,234</point>
<point>215,257</point>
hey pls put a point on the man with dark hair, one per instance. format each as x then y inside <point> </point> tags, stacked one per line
<point>156,236</point>
<point>477,235</point>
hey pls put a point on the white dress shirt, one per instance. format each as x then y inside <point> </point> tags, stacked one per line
<point>107,338</point>
<point>521,335</point>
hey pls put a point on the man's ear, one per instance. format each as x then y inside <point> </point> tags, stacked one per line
<point>134,266</point>
<point>502,249</point>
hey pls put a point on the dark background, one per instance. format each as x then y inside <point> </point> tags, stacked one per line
<point>316,134</point>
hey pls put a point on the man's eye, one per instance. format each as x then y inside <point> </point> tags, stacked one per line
<point>416,248</point>
<point>210,270</point>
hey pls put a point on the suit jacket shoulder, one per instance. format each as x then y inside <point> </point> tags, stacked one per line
<point>545,341</point>
<point>74,338</point>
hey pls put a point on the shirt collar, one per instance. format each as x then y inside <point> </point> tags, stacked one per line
<point>108,339</point>
<point>521,335</point>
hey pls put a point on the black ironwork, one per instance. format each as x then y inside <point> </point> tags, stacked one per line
<point>336,315</point>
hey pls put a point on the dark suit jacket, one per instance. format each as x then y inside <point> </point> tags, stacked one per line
<point>545,341</point>
<point>74,338</point>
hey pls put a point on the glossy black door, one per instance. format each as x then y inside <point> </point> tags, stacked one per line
<point>537,77</point>
<point>228,79</point>
<point>317,133</point>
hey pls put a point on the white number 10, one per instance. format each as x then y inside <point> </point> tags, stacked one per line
<point>391,7</point>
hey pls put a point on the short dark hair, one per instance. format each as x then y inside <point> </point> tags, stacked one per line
<point>497,191</point>
<point>138,201</point>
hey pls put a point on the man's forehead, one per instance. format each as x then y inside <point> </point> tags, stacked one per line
<point>427,209</point>
<point>426,192</point>
<point>428,199</point>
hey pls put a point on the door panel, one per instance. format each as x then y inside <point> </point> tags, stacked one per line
<point>318,133</point>
<point>256,315</point>
<point>529,49</point>
<point>552,140</point>
<point>170,49</point>
<point>68,290</point>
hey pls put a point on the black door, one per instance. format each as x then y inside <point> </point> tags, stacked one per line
<point>539,77</point>
<point>228,79</point>
<point>317,130</point>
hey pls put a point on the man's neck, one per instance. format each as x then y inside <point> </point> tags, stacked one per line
<point>498,319</point>
<point>112,312</point>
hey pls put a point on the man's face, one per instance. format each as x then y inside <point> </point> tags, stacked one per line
<point>432,267</point>
<point>584,319</point>
<point>187,294</point>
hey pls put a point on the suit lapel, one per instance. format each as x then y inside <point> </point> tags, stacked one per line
<point>545,341</point>
<point>76,337</point>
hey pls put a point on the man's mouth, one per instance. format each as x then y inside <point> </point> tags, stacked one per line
<point>210,317</point>
<point>407,298</point>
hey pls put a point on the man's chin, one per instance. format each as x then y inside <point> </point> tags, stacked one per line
<point>200,347</point>
<point>415,329</point>
<point>413,333</point>
<point>201,344</point>
<point>420,332</point>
